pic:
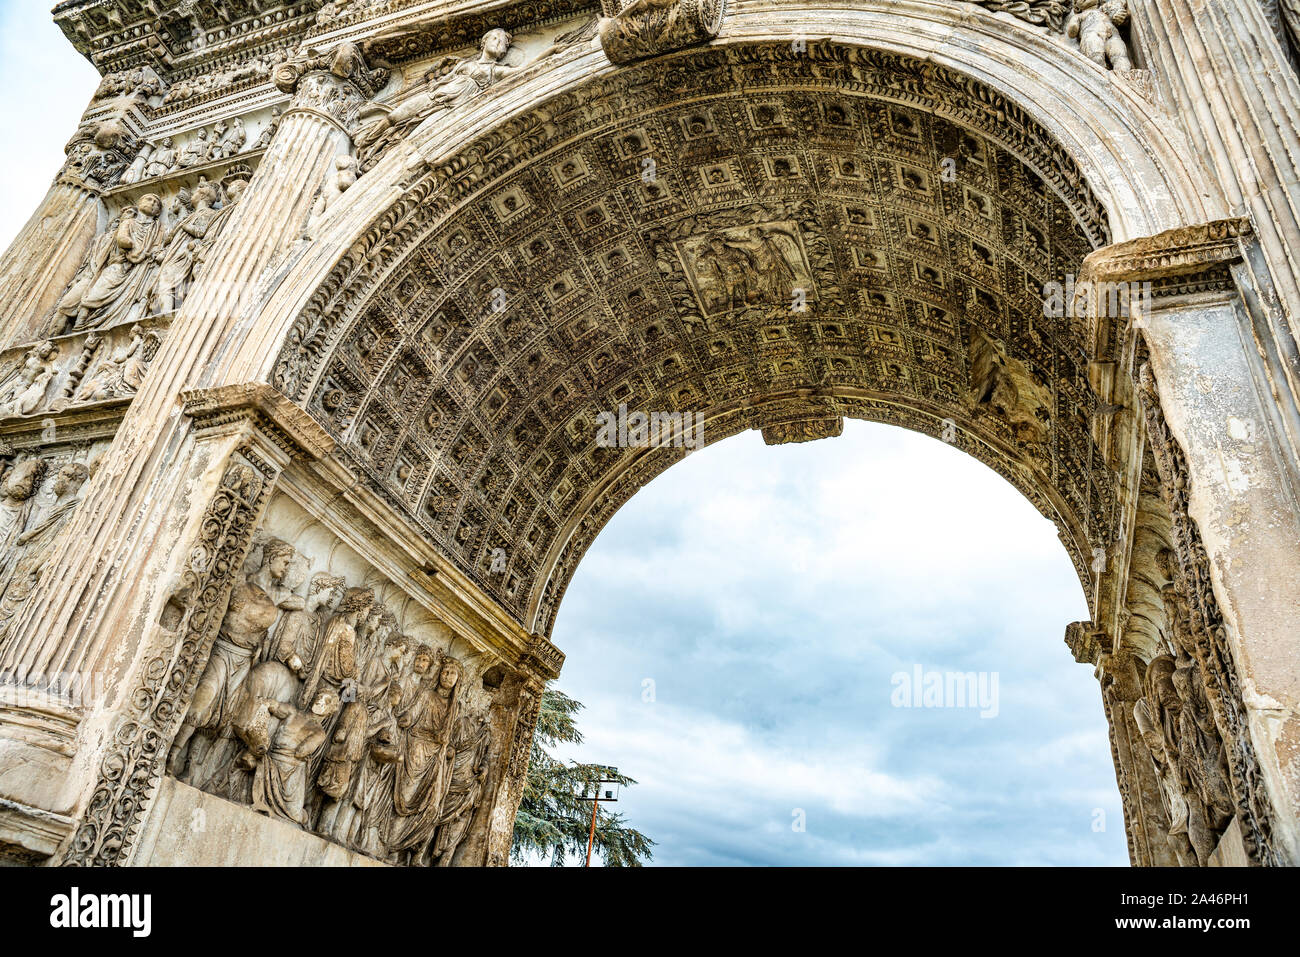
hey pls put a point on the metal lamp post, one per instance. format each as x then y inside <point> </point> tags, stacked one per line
<point>603,788</point>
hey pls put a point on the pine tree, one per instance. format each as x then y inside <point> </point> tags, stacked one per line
<point>552,821</point>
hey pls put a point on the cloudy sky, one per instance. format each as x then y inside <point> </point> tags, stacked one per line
<point>737,629</point>
<point>44,87</point>
<point>771,595</point>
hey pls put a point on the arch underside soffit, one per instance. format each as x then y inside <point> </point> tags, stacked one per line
<point>639,242</point>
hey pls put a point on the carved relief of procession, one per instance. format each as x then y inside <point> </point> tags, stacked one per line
<point>136,273</point>
<point>318,709</point>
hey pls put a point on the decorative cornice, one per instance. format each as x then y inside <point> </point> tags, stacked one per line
<point>543,658</point>
<point>1187,254</point>
<point>1086,642</point>
<point>291,426</point>
<point>120,34</point>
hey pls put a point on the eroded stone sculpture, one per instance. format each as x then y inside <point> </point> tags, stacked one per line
<point>26,391</point>
<point>121,371</point>
<point>452,84</point>
<point>254,607</point>
<point>110,286</point>
<point>1096,23</point>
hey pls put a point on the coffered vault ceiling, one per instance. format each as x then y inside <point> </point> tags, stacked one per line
<point>648,254</point>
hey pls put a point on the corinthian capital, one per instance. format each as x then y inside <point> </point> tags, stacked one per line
<point>646,28</point>
<point>345,62</point>
<point>334,85</point>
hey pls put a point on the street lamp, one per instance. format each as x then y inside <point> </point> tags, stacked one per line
<point>603,787</point>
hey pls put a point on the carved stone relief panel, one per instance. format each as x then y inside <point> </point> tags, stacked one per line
<point>39,490</point>
<point>334,702</point>
<point>150,254</point>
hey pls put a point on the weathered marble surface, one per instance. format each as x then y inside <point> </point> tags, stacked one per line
<point>331,297</point>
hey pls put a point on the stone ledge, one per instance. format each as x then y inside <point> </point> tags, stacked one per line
<point>1186,251</point>
<point>29,835</point>
<point>189,828</point>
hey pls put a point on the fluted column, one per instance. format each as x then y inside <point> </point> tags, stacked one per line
<point>113,582</point>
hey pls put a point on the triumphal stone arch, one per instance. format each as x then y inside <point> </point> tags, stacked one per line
<point>346,326</point>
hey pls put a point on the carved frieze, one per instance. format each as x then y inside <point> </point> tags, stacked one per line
<point>327,704</point>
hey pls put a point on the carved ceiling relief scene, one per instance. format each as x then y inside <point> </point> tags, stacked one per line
<point>796,255</point>
<point>332,701</point>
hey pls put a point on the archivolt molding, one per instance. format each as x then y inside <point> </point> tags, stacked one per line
<point>756,205</point>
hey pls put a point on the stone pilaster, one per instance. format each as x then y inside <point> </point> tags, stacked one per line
<point>1224,463</point>
<point>541,663</point>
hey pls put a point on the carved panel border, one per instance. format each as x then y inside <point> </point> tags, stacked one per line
<point>132,767</point>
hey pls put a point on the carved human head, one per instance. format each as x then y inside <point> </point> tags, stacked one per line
<point>326,703</point>
<point>496,43</point>
<point>276,556</point>
<point>1117,10</point>
<point>449,676</point>
<point>25,479</point>
<point>373,617</point>
<point>150,204</point>
<point>422,660</point>
<point>357,601</point>
<point>1160,684</point>
<point>70,478</point>
<point>395,647</point>
<point>110,135</point>
<point>327,589</point>
<point>205,195</point>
